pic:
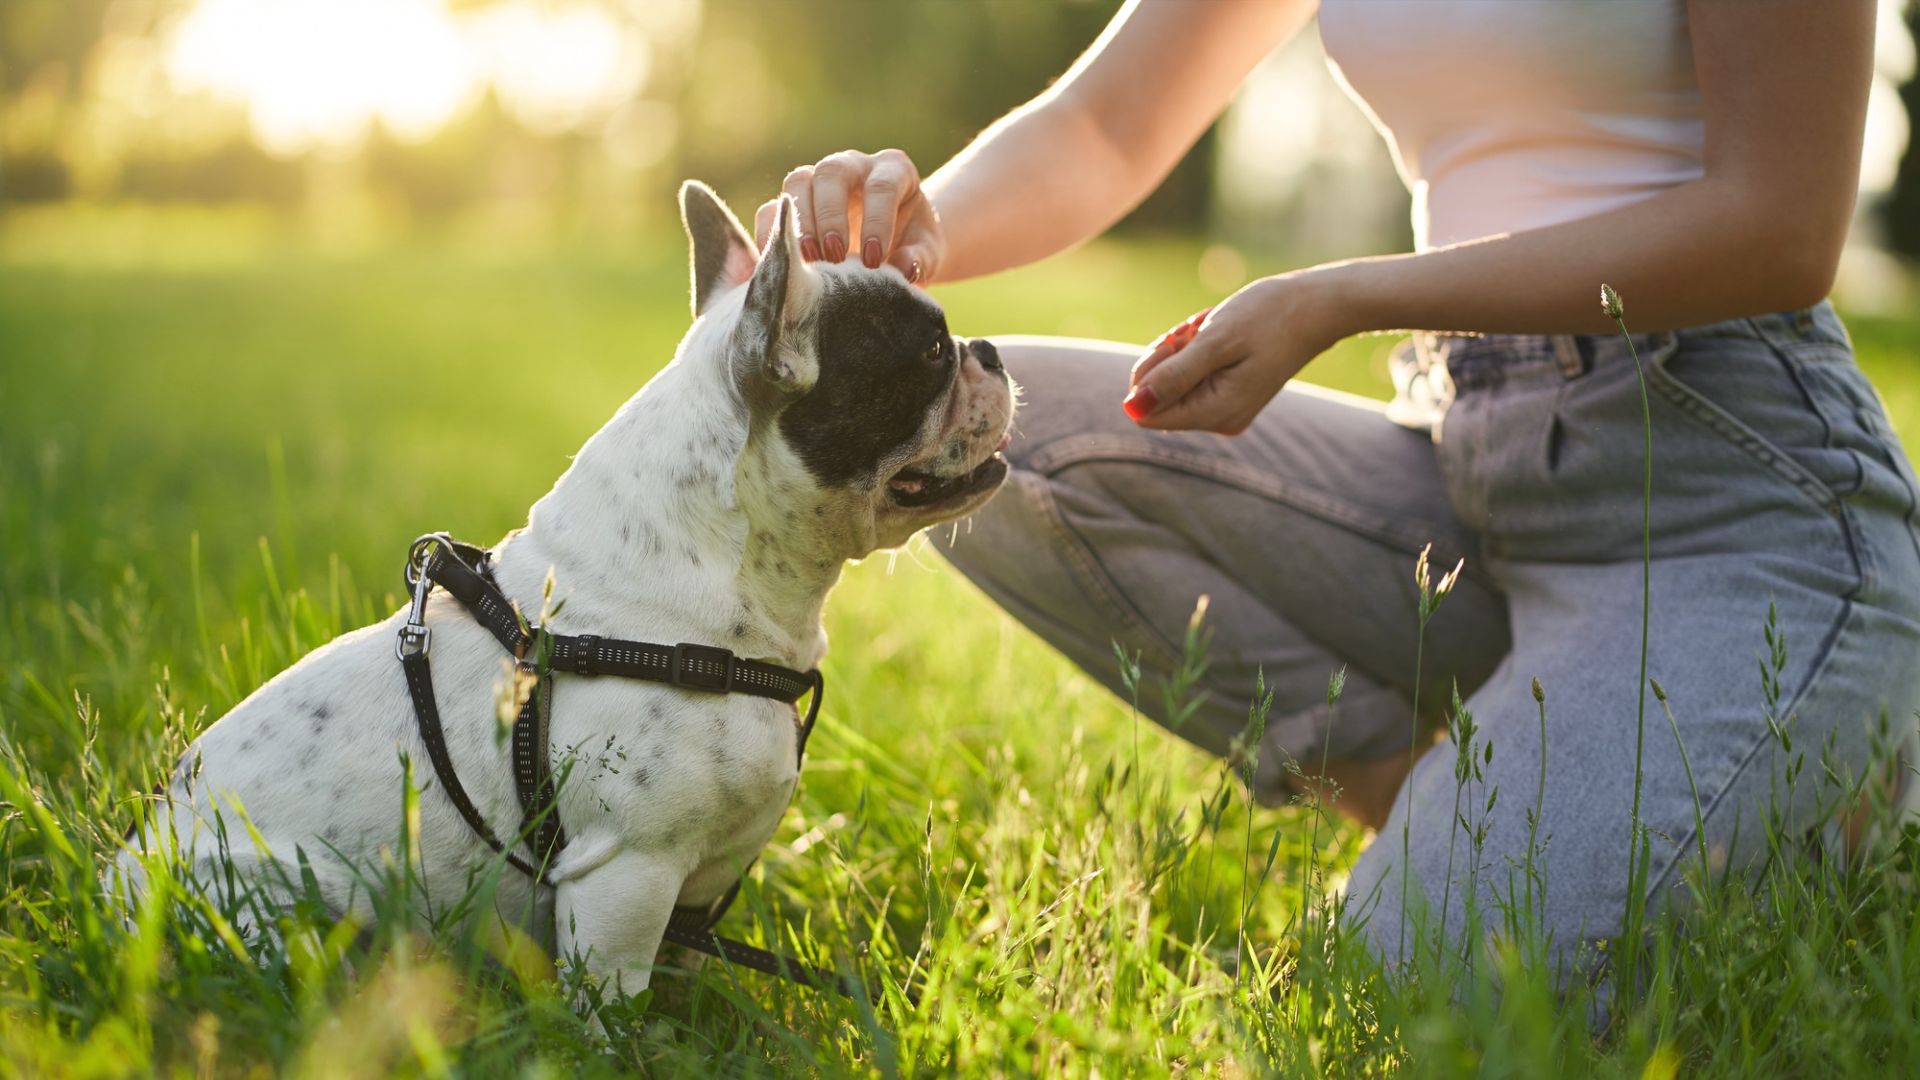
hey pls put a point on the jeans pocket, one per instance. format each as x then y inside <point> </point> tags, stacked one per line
<point>1738,389</point>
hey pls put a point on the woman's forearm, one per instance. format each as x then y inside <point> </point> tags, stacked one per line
<point>1072,183</point>
<point>1699,253</point>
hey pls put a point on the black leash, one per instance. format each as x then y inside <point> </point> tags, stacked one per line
<point>465,572</point>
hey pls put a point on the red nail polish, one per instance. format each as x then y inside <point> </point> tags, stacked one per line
<point>836,248</point>
<point>1141,403</point>
<point>870,253</point>
<point>809,249</point>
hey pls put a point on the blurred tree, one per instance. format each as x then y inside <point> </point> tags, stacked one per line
<point>236,170</point>
<point>43,38</point>
<point>1902,213</point>
<point>777,85</point>
<point>43,44</point>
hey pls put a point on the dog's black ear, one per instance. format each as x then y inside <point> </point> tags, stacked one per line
<point>771,303</point>
<point>722,250</point>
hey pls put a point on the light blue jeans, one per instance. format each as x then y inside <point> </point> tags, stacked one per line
<point>1778,484</point>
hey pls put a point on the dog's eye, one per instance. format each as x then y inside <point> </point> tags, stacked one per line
<point>937,351</point>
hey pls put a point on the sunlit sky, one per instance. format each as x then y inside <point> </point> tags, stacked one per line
<point>317,73</point>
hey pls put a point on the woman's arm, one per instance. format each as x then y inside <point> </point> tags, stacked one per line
<point>1071,162</point>
<point>1062,167</point>
<point>1783,91</point>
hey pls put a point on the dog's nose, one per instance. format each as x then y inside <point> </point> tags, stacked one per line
<point>984,352</point>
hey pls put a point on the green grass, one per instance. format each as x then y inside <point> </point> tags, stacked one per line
<point>212,455</point>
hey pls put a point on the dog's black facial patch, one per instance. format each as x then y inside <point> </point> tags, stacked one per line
<point>885,358</point>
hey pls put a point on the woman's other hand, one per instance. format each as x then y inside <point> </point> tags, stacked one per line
<point>1217,370</point>
<point>867,205</point>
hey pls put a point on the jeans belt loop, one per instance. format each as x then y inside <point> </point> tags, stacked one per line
<point>1570,357</point>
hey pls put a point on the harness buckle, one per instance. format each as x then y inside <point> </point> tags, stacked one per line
<point>416,637</point>
<point>415,640</point>
<point>702,667</point>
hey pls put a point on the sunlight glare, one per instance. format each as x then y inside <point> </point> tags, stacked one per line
<point>318,73</point>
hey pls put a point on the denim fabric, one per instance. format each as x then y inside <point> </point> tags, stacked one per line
<point>1778,484</point>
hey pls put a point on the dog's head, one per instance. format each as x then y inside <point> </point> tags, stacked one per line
<point>868,421</point>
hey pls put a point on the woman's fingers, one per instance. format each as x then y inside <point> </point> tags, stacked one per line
<point>837,182</point>
<point>799,184</point>
<point>892,186</point>
<point>1216,404</point>
<point>1138,404</point>
<point>868,205</point>
<point>1176,375</point>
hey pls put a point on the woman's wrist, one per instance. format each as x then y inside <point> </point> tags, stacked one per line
<point>1324,301</point>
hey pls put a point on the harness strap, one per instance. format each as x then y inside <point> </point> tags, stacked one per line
<point>767,963</point>
<point>426,714</point>
<point>686,665</point>
<point>532,772</point>
<point>464,572</point>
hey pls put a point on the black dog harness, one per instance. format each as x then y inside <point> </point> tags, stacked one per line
<point>466,573</point>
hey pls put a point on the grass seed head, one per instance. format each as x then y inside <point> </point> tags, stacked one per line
<point>1610,302</point>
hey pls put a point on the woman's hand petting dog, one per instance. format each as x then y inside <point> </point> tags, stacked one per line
<point>876,197</point>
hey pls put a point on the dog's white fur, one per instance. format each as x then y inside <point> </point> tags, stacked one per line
<point>680,520</point>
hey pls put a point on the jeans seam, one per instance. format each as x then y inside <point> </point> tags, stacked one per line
<point>1738,434</point>
<point>1762,454</point>
<point>1829,646</point>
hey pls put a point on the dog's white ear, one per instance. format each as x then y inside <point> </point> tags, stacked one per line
<point>772,303</point>
<point>722,251</point>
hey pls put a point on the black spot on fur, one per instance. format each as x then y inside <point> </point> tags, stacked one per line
<point>321,711</point>
<point>247,745</point>
<point>641,776</point>
<point>626,534</point>
<point>876,379</point>
<point>739,630</point>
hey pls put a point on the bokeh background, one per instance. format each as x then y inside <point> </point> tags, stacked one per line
<point>505,124</point>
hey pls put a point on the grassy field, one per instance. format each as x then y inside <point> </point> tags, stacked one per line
<point>212,455</point>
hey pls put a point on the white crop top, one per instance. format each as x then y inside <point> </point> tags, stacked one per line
<point>1506,115</point>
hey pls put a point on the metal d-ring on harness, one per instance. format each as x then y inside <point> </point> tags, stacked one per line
<point>465,572</point>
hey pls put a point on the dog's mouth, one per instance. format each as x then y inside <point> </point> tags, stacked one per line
<point>914,489</point>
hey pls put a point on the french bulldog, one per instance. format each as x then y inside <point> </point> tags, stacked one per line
<point>813,414</point>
